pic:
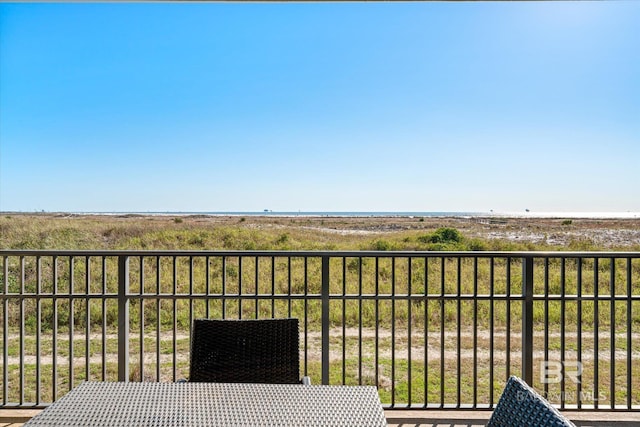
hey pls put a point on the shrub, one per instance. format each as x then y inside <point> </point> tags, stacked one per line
<point>424,238</point>
<point>282,239</point>
<point>477,245</point>
<point>382,245</point>
<point>446,235</point>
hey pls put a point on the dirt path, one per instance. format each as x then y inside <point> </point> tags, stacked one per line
<point>352,336</point>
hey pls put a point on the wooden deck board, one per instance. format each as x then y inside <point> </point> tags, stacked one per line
<point>419,418</point>
<point>437,418</point>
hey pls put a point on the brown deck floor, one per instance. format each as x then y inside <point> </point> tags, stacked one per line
<point>420,418</point>
<point>433,418</point>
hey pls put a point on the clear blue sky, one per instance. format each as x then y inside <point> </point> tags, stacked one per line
<point>320,107</point>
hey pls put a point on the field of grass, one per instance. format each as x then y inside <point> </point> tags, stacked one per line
<point>62,231</point>
<point>427,341</point>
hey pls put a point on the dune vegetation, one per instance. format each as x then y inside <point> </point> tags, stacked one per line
<point>200,232</point>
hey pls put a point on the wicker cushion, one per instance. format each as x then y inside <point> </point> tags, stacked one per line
<point>245,351</point>
<point>520,405</point>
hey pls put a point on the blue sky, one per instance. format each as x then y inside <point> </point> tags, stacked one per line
<point>320,106</point>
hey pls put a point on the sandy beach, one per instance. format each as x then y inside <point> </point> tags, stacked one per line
<point>553,231</point>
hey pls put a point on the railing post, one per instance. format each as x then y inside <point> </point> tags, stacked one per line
<point>325,319</point>
<point>123,318</point>
<point>527,319</point>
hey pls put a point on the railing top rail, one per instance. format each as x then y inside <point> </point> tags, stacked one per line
<point>321,253</point>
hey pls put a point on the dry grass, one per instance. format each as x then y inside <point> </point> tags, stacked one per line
<point>65,231</point>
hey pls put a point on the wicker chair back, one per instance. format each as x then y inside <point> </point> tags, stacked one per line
<point>245,351</point>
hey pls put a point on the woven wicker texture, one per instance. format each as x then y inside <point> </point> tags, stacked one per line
<point>245,351</point>
<point>520,405</point>
<point>213,404</point>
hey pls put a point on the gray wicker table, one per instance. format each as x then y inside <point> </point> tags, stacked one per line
<point>213,404</point>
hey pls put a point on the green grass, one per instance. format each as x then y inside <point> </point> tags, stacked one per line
<point>392,374</point>
<point>140,232</point>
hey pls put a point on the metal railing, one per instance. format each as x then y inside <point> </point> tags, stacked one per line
<point>429,329</point>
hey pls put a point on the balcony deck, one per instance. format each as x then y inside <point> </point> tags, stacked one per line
<point>418,418</point>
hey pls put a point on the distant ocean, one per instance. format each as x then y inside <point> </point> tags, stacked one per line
<point>529,214</point>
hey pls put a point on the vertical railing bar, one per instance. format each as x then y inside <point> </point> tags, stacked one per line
<point>141,320</point>
<point>224,286</point>
<point>207,284</point>
<point>72,326</point>
<point>426,332</point>
<point>527,319</point>
<point>191,292</point>
<point>491,326</point>
<point>459,331</point>
<point>475,332</point>
<point>191,287</point>
<point>344,320</point>
<point>360,321</point>
<point>256,286</point>
<point>546,320</point>
<point>38,327</point>
<point>273,288</point>
<point>508,317</point>
<point>87,341</point>
<point>158,323</point>
<point>393,331</point>
<point>612,360</point>
<point>123,318</point>
<point>325,319</point>
<point>442,334</point>
<point>306,309</point>
<point>104,318</point>
<point>409,322</point>
<point>22,326</point>
<point>377,318</point>
<point>240,297</point>
<point>175,319</point>
<point>289,301</point>
<point>579,328</point>
<point>563,335</point>
<point>5,331</point>
<point>629,334</point>
<point>54,344</point>
<point>596,330</point>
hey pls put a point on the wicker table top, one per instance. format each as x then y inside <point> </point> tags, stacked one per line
<point>213,404</point>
